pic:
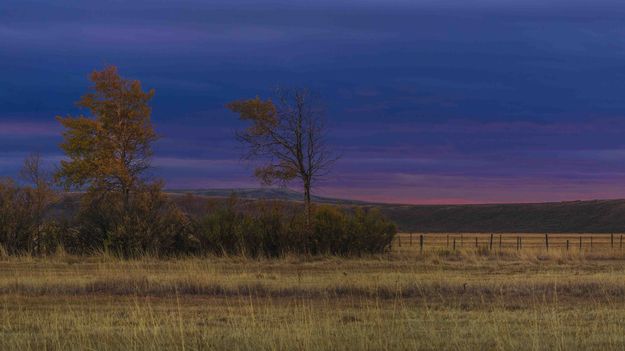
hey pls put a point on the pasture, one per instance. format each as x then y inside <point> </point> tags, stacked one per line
<point>463,299</point>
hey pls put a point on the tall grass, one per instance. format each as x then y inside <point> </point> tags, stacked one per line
<point>460,301</point>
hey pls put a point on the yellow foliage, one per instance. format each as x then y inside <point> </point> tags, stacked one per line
<point>109,149</point>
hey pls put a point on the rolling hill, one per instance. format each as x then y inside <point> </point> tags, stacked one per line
<point>265,194</point>
<point>597,216</point>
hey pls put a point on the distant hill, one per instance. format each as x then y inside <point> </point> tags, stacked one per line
<point>265,194</point>
<point>597,216</point>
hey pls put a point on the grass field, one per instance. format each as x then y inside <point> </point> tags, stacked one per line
<point>463,299</point>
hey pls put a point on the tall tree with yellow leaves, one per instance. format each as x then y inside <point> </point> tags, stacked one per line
<point>110,149</point>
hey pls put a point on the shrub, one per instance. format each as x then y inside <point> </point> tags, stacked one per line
<point>364,231</point>
<point>371,231</point>
<point>23,227</point>
<point>255,231</point>
<point>149,223</point>
<point>273,231</point>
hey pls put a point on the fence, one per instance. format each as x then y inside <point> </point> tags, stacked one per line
<point>516,241</point>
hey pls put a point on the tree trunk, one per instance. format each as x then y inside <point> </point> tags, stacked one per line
<point>126,199</point>
<point>307,206</point>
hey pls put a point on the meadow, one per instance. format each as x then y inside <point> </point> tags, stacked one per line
<point>441,299</point>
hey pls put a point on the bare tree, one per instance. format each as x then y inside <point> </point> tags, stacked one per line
<point>33,172</point>
<point>288,136</point>
<point>39,196</point>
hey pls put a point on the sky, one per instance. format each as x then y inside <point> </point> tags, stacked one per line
<point>427,102</point>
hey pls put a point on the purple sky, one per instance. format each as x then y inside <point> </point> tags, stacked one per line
<point>443,101</point>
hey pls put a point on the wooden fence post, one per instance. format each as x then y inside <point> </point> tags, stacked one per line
<point>499,242</point>
<point>517,243</point>
<point>590,243</point>
<point>580,242</point>
<point>621,242</point>
<point>421,243</point>
<point>454,244</point>
<point>547,241</point>
<point>521,242</point>
<point>612,240</point>
<point>567,245</point>
<point>476,242</point>
<point>447,240</point>
<point>490,244</point>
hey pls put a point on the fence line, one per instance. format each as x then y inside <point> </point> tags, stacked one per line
<point>455,241</point>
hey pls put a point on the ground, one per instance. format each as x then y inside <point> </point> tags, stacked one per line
<point>463,299</point>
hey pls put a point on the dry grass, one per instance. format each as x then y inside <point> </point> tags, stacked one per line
<point>444,299</point>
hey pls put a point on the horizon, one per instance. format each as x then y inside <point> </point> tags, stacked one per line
<point>427,102</point>
<point>329,197</point>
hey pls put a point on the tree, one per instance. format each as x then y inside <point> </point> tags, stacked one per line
<point>111,149</point>
<point>41,195</point>
<point>23,209</point>
<point>288,137</point>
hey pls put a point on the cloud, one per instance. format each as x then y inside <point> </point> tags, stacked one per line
<point>12,128</point>
<point>447,100</point>
<point>187,163</point>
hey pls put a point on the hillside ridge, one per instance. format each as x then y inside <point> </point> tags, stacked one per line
<point>589,216</point>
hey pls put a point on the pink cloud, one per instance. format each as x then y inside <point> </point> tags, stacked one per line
<point>29,129</point>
